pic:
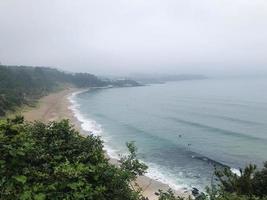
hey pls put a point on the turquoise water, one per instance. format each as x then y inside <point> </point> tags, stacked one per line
<point>183,128</point>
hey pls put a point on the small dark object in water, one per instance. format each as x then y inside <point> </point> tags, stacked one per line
<point>180,136</point>
<point>189,144</point>
<point>156,193</point>
<point>195,191</point>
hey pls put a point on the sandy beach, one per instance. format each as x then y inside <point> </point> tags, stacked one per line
<point>56,107</point>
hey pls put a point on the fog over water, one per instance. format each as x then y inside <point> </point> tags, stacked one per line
<point>123,36</point>
<point>182,129</point>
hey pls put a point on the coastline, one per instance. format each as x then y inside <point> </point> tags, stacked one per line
<point>57,106</point>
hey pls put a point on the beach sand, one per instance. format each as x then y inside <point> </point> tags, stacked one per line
<point>56,107</point>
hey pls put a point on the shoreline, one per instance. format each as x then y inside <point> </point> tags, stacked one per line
<point>57,106</point>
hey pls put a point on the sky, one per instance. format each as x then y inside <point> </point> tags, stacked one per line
<point>136,36</point>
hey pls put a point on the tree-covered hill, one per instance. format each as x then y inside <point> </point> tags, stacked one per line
<point>21,84</point>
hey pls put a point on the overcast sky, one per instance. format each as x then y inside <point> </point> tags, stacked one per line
<point>126,36</point>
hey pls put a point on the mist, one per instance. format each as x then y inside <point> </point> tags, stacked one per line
<point>122,37</point>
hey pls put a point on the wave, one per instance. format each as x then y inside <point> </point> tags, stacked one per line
<point>215,129</point>
<point>223,117</point>
<point>232,119</point>
<point>226,102</point>
<point>235,171</point>
<point>155,171</point>
<point>228,118</point>
<point>208,160</point>
<point>90,126</point>
<point>189,153</point>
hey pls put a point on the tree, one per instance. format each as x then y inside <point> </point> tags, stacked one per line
<point>52,161</point>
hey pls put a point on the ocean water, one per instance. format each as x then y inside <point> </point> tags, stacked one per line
<point>182,129</point>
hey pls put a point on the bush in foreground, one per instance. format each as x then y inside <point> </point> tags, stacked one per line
<point>52,161</point>
<point>250,184</point>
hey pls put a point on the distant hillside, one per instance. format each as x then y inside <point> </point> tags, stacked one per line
<point>22,84</point>
<point>158,78</point>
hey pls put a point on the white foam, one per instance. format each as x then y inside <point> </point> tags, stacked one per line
<point>89,125</point>
<point>154,172</point>
<point>92,127</point>
<point>236,171</point>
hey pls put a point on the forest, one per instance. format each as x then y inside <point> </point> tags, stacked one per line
<point>23,85</point>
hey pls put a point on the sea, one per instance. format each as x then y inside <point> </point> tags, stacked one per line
<point>183,129</point>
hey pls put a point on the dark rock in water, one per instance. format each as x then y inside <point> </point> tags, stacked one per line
<point>195,191</point>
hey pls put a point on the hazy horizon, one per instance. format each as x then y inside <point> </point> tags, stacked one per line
<point>125,37</point>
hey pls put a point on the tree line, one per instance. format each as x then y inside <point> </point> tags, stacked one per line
<point>21,85</point>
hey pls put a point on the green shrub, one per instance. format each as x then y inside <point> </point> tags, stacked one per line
<point>52,161</point>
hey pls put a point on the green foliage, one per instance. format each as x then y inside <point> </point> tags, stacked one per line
<point>131,163</point>
<point>52,161</point>
<point>251,184</point>
<point>234,196</point>
<point>24,85</point>
<point>39,161</point>
<point>260,182</point>
<point>230,182</point>
<point>169,195</point>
